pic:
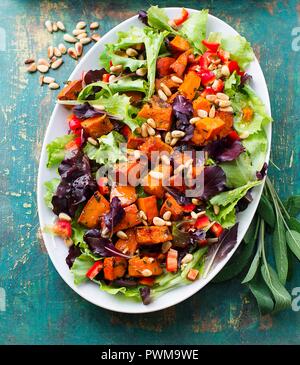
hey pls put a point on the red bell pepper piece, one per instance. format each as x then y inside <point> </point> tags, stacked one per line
<point>105,77</point>
<point>202,243</point>
<point>202,222</point>
<point>147,281</point>
<point>218,85</point>
<point>207,77</point>
<point>216,229</point>
<point>94,270</point>
<point>102,185</point>
<point>172,260</point>
<point>212,46</point>
<point>110,63</point>
<point>234,136</point>
<point>183,17</point>
<point>223,55</point>
<point>207,91</point>
<point>205,59</point>
<point>75,143</point>
<point>62,228</point>
<point>188,207</point>
<point>233,66</point>
<point>126,131</point>
<point>75,123</point>
<point>192,274</point>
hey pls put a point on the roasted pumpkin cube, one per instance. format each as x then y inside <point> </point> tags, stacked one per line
<point>149,206</point>
<point>143,267</point>
<point>190,85</point>
<point>128,246</point>
<point>150,235</point>
<point>201,103</point>
<point>159,111</point>
<point>70,91</point>
<point>94,209</point>
<point>126,194</point>
<point>163,66</point>
<point>130,219</point>
<point>114,267</point>
<point>171,205</point>
<point>181,62</point>
<point>155,144</point>
<point>97,126</point>
<point>206,130</point>
<point>179,44</point>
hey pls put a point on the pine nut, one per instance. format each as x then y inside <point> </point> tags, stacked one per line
<point>93,141</point>
<point>76,32</point>
<point>144,130</point>
<point>50,51</point>
<point>56,64</point>
<point>202,113</point>
<point>222,96</point>
<point>141,57</point>
<point>150,130</point>
<point>42,68</point>
<point>28,61</point>
<point>165,160</point>
<point>167,215</point>
<point>131,52</point>
<point>151,122</point>
<point>41,80</point>
<point>70,39</point>
<point>228,109</point>
<point>187,258</point>
<point>200,214</point>
<point>53,86</point>
<point>176,79</point>
<point>195,120</point>
<point>112,78</point>
<point>105,232</point>
<point>146,272</point>
<point>80,25</point>
<point>117,68</point>
<point>165,89</point>
<point>68,241</point>
<point>177,134</point>
<point>95,37</point>
<point>78,48</point>
<point>166,246</point>
<point>81,36</point>
<point>62,48</point>
<point>56,52</point>
<point>48,79</point>
<point>54,27</point>
<point>72,53</point>
<point>162,95</point>
<point>48,25</point>
<point>156,174</point>
<point>141,71</point>
<point>86,40</point>
<point>60,25</point>
<point>168,223</point>
<point>224,103</point>
<point>158,222</point>
<point>194,215</point>
<point>212,112</point>
<point>225,70</point>
<point>42,61</point>
<point>196,201</point>
<point>188,163</point>
<point>99,107</point>
<point>211,97</point>
<point>64,217</point>
<point>145,223</point>
<point>94,25</point>
<point>244,135</point>
<point>32,68</point>
<point>216,209</point>
<point>142,215</point>
<point>122,235</point>
<point>168,138</point>
<point>174,141</point>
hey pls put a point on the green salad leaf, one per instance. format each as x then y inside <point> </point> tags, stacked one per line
<point>135,35</point>
<point>158,19</point>
<point>78,232</point>
<point>51,187</point>
<point>240,49</point>
<point>80,267</point>
<point>56,149</point>
<point>257,145</point>
<point>194,30</point>
<point>109,150</point>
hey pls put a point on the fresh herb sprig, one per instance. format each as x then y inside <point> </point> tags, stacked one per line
<point>275,222</point>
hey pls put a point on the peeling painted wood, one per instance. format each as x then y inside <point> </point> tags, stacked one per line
<point>46,310</point>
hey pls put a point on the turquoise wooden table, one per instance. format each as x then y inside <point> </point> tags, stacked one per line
<point>40,308</point>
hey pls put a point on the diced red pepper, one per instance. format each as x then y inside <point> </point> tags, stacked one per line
<point>192,274</point>
<point>126,131</point>
<point>94,270</point>
<point>188,207</point>
<point>103,185</point>
<point>205,59</point>
<point>202,243</point>
<point>216,229</point>
<point>147,281</point>
<point>62,228</point>
<point>207,77</point>
<point>212,46</point>
<point>233,66</point>
<point>223,55</point>
<point>105,77</point>
<point>75,123</point>
<point>75,143</point>
<point>207,91</point>
<point>202,222</point>
<point>172,260</point>
<point>218,85</point>
<point>110,63</point>
<point>183,17</point>
<point>234,136</point>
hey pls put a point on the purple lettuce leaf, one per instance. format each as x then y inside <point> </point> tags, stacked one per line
<point>214,182</point>
<point>143,16</point>
<point>183,112</point>
<point>178,196</point>
<point>145,295</point>
<point>115,215</point>
<point>76,186</point>
<point>244,202</point>
<point>128,283</point>
<point>93,76</point>
<point>84,111</point>
<point>246,78</point>
<point>101,246</point>
<point>227,241</point>
<point>225,149</point>
<point>262,173</point>
<point>74,252</point>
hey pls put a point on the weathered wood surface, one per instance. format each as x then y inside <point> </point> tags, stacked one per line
<point>40,307</point>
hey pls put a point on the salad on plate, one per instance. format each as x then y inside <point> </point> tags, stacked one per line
<point>166,140</point>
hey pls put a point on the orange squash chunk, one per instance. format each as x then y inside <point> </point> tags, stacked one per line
<point>129,245</point>
<point>190,85</point>
<point>201,103</point>
<point>160,111</point>
<point>70,91</point>
<point>126,194</point>
<point>97,126</point>
<point>114,267</point>
<point>207,129</point>
<point>94,209</point>
<point>179,44</point>
<point>150,235</point>
<point>149,206</point>
<point>155,144</point>
<point>171,205</point>
<point>136,267</point>
<point>130,219</point>
<point>180,64</point>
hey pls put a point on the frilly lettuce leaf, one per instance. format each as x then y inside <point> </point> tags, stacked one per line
<point>256,145</point>
<point>56,149</point>
<point>80,267</point>
<point>135,35</point>
<point>50,190</point>
<point>158,19</point>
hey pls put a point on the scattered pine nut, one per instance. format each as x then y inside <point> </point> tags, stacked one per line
<point>211,97</point>
<point>156,174</point>
<point>60,26</point>
<point>212,112</point>
<point>80,25</point>
<point>32,68</point>
<point>141,71</point>
<point>216,209</point>
<point>166,246</point>
<point>228,109</point>
<point>165,160</point>
<point>131,52</point>
<point>202,113</point>
<point>187,258</point>
<point>94,25</point>
<point>78,48</point>
<point>222,96</point>
<point>194,215</point>
<point>174,141</point>
<point>117,68</point>
<point>86,40</point>
<point>92,141</point>
<point>144,130</point>
<point>99,107</point>
<point>176,79</point>
<point>70,39</point>
<point>50,51</point>
<point>76,32</point>
<point>95,37</point>
<point>142,215</point>
<point>150,130</point>
<point>42,61</point>
<point>41,80</point>
<point>167,215</point>
<point>68,241</point>
<point>162,95</point>
<point>81,36</point>
<point>48,79</point>
<point>48,25</point>
<point>56,64</point>
<point>196,201</point>
<point>177,134</point>
<point>29,61</point>
<point>244,135</point>
<point>42,68</point>
<point>53,86</point>
<point>158,222</point>
<point>122,235</point>
<point>62,48</point>
<point>195,120</point>
<point>54,27</point>
<point>146,272</point>
<point>72,53</point>
<point>64,217</point>
<point>225,70</point>
<point>168,138</point>
<point>224,103</point>
<point>165,89</point>
<point>151,122</point>
<point>56,52</point>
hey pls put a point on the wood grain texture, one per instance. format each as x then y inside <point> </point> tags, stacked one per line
<point>41,308</point>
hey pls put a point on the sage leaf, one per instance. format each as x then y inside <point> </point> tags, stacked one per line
<point>293,240</point>
<point>293,205</point>
<point>281,296</point>
<point>294,224</point>
<point>262,294</point>
<point>266,211</point>
<point>280,250</point>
